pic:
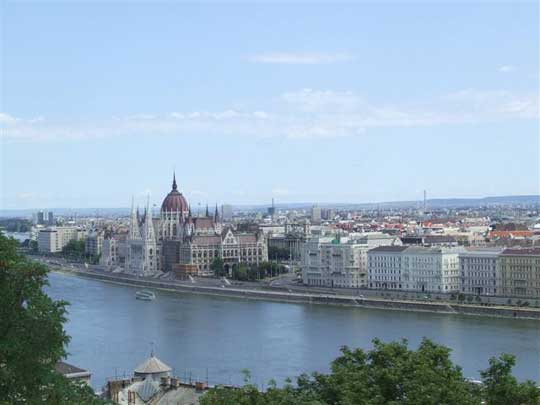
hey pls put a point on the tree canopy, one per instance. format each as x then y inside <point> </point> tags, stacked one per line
<point>390,373</point>
<point>32,337</point>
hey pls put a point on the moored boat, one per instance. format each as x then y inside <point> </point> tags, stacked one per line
<point>145,295</point>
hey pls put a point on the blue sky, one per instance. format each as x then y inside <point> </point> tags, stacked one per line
<point>318,102</point>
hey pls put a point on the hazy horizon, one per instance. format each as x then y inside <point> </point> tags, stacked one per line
<point>361,102</point>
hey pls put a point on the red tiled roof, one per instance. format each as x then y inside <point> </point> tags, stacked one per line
<point>510,234</point>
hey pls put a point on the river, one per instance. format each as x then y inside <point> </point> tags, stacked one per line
<point>218,337</point>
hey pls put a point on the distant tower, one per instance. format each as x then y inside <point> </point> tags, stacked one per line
<point>425,201</point>
<point>216,215</point>
<point>272,210</point>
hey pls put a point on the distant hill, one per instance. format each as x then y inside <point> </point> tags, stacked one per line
<point>432,203</point>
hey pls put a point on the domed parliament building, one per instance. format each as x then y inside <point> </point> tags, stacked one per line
<point>179,240</point>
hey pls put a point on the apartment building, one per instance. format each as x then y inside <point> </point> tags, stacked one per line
<point>385,266</point>
<point>414,268</point>
<point>94,243</point>
<point>520,272</point>
<point>54,238</point>
<point>334,262</point>
<point>479,271</point>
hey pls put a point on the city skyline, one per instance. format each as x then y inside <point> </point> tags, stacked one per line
<point>322,104</point>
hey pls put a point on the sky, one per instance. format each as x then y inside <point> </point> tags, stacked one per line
<point>298,101</point>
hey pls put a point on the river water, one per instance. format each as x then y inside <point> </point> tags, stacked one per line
<point>217,337</point>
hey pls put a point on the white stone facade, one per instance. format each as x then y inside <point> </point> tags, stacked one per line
<point>54,238</point>
<point>413,268</point>
<point>337,263</point>
<point>479,271</point>
<point>142,252</point>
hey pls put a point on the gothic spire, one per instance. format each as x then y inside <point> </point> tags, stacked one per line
<point>174,186</point>
<point>134,222</point>
<point>148,223</point>
<point>207,212</point>
<point>216,215</point>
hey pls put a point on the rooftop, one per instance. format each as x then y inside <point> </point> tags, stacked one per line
<point>152,365</point>
<point>522,252</point>
<point>396,249</point>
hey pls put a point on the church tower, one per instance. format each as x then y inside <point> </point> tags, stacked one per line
<point>150,245</point>
<point>135,255</point>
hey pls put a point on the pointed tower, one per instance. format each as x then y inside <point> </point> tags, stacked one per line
<point>148,222</point>
<point>135,253</point>
<point>216,215</point>
<point>134,222</point>
<point>207,212</point>
<point>150,245</point>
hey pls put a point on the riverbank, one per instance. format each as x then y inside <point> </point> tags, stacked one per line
<point>310,298</point>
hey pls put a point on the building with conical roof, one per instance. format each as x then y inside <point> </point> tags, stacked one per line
<point>153,367</point>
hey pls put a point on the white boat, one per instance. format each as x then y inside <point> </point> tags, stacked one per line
<point>145,295</point>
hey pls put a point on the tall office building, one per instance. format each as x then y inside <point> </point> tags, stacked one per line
<point>316,214</point>
<point>50,218</point>
<point>226,212</point>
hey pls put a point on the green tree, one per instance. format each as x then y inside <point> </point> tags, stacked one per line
<point>277,253</point>
<point>390,373</point>
<point>32,337</point>
<point>75,249</point>
<point>240,272</point>
<point>217,267</point>
<point>501,387</point>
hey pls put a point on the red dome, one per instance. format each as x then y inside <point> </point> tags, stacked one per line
<point>174,201</point>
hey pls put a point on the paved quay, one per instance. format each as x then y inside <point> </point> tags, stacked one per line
<point>287,293</point>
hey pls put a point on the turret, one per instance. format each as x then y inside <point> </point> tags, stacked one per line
<point>134,222</point>
<point>148,223</point>
<point>216,215</point>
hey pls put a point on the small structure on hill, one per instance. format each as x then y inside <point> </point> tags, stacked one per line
<point>152,383</point>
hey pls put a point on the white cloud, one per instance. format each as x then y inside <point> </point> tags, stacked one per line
<point>489,104</point>
<point>6,119</point>
<point>310,100</point>
<point>301,58</point>
<point>281,192</point>
<point>506,68</point>
<point>306,113</point>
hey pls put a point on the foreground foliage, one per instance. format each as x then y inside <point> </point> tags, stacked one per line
<point>390,373</point>
<point>32,337</point>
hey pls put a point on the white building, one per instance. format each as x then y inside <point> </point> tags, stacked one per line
<point>434,269</point>
<point>114,251</point>
<point>385,266</point>
<point>54,238</point>
<point>479,270</point>
<point>414,268</point>
<point>339,262</point>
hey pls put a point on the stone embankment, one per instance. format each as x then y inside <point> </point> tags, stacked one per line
<point>313,298</point>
